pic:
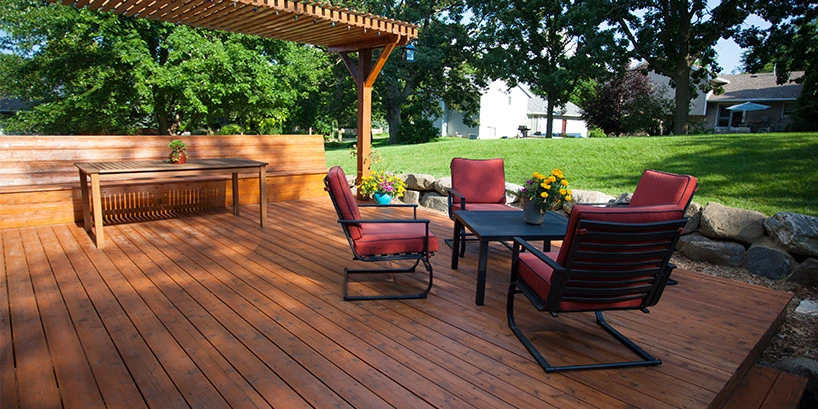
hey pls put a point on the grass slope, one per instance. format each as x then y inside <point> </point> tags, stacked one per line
<point>765,172</point>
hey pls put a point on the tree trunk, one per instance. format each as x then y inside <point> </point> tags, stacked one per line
<point>393,119</point>
<point>549,119</point>
<point>683,95</point>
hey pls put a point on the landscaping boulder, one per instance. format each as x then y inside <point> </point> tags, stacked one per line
<point>730,223</point>
<point>798,233</point>
<point>767,258</point>
<point>694,217</point>
<point>591,197</point>
<point>699,248</point>
<point>417,181</point>
<point>805,273</point>
<point>442,185</point>
<point>435,201</point>
<point>511,192</point>
<point>411,197</point>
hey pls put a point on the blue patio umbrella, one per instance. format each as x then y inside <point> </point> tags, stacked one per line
<point>747,106</point>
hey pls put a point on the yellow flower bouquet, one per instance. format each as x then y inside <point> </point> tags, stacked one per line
<point>546,192</point>
<point>381,183</point>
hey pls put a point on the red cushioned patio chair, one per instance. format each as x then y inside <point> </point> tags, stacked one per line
<point>477,184</point>
<point>611,259</point>
<point>662,188</point>
<point>380,240</point>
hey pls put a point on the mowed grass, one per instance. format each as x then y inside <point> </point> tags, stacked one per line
<point>770,173</point>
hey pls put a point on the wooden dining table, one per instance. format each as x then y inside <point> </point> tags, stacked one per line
<point>93,172</point>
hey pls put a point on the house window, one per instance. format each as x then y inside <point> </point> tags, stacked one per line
<point>509,99</point>
<point>789,109</point>
<point>724,116</point>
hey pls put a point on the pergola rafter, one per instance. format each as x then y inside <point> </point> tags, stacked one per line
<point>337,29</point>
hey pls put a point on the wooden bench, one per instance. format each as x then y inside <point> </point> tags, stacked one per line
<point>40,184</point>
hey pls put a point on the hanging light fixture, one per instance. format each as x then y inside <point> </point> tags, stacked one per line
<point>409,53</point>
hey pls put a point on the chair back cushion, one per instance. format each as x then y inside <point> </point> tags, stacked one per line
<point>648,214</point>
<point>661,188</point>
<point>345,204</point>
<point>479,180</point>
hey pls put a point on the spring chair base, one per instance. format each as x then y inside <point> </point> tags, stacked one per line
<point>647,359</point>
<point>422,294</point>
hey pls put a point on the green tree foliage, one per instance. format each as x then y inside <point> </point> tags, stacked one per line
<point>675,36</point>
<point>554,46</point>
<point>90,72</point>
<point>442,71</point>
<point>628,104</point>
<point>789,44</point>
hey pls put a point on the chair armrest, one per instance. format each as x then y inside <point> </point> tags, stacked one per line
<point>606,204</point>
<point>414,206</point>
<point>426,221</point>
<point>536,252</point>
<point>452,194</point>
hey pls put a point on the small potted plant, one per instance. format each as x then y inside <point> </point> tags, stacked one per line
<point>542,193</point>
<point>382,186</point>
<point>178,152</point>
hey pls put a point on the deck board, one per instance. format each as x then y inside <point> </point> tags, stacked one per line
<point>211,310</point>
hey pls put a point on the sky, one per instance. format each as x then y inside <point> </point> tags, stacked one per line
<point>729,52</point>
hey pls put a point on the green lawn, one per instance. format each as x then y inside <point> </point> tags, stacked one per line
<point>765,172</point>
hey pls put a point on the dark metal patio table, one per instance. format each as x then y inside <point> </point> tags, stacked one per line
<point>489,225</point>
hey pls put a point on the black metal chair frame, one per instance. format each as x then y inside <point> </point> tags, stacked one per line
<point>463,233</point>
<point>418,257</point>
<point>611,234</point>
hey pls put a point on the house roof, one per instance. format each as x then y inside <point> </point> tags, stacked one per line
<point>539,106</point>
<point>309,22</point>
<point>757,87</point>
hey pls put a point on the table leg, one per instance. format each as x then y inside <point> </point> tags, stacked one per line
<point>481,272</point>
<point>96,199</point>
<point>236,193</point>
<point>86,202</point>
<point>262,194</point>
<point>456,243</point>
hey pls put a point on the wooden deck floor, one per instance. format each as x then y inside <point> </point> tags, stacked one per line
<point>211,311</point>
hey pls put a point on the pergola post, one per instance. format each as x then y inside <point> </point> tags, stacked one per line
<point>364,75</point>
<point>364,115</point>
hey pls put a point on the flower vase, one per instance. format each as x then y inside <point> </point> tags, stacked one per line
<point>382,198</point>
<point>532,213</point>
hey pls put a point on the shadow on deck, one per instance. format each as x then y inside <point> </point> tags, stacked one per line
<point>213,311</point>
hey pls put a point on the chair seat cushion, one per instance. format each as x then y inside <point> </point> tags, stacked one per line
<point>537,274</point>
<point>393,238</point>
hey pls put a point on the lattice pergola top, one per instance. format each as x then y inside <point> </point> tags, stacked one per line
<point>338,29</point>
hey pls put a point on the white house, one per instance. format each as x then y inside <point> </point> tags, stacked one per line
<point>504,112</point>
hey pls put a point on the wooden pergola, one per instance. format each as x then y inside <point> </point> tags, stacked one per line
<point>337,29</point>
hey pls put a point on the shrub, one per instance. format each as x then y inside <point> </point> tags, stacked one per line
<point>231,129</point>
<point>595,132</point>
<point>418,131</point>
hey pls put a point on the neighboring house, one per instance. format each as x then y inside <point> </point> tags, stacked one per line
<point>711,109</point>
<point>504,111</point>
<point>757,88</point>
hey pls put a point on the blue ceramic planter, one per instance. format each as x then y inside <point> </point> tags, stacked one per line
<point>382,198</point>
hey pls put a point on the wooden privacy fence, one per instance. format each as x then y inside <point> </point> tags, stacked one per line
<point>40,184</point>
